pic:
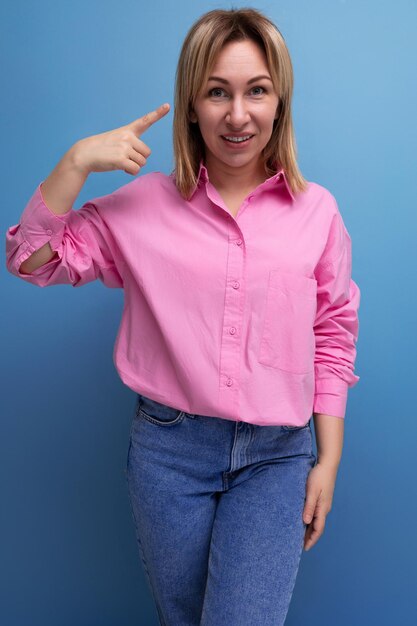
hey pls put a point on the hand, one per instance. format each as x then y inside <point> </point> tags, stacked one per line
<point>118,149</point>
<point>319,495</point>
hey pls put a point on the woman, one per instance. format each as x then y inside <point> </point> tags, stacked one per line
<point>240,320</point>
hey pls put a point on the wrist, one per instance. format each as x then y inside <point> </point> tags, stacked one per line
<point>74,158</point>
<point>329,462</point>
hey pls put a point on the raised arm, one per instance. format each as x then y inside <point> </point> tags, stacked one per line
<point>53,243</point>
<point>59,191</point>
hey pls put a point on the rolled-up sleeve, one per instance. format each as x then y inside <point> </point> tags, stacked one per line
<point>84,247</point>
<point>336,325</point>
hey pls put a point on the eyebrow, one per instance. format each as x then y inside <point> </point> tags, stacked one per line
<point>252,80</point>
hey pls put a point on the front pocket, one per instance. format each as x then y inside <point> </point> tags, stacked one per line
<point>158,413</point>
<point>163,420</point>
<point>287,338</point>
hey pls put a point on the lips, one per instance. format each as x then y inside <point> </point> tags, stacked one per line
<point>236,142</point>
<point>241,138</point>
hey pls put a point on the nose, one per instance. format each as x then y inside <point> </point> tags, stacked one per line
<point>238,113</point>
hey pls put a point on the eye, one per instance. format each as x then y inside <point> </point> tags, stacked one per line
<point>214,91</point>
<point>263,90</point>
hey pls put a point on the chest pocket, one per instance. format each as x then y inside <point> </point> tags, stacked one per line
<point>287,337</point>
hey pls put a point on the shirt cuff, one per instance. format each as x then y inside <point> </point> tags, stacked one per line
<point>38,225</point>
<point>330,397</point>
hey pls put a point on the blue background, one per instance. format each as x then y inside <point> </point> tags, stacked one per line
<point>69,70</point>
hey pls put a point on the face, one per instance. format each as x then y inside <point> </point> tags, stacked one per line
<point>238,101</point>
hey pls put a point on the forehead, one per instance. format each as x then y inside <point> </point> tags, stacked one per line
<point>245,56</point>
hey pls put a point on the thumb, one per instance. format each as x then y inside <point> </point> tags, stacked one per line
<point>141,124</point>
<point>309,508</point>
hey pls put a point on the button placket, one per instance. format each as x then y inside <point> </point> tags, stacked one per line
<point>232,323</point>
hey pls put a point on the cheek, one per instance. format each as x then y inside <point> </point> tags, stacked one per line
<point>207,126</point>
<point>269,117</point>
<point>268,127</point>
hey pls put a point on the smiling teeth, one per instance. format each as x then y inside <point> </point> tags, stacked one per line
<point>238,139</point>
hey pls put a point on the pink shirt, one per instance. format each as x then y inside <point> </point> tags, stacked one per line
<point>252,318</point>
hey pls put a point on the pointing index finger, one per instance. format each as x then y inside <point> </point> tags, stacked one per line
<point>144,122</point>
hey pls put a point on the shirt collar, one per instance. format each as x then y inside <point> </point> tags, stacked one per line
<point>276,178</point>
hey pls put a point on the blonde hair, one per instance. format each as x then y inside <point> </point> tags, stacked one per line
<point>203,42</point>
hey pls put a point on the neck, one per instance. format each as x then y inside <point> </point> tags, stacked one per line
<point>232,179</point>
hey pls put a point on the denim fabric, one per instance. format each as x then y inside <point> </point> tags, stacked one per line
<point>217,507</point>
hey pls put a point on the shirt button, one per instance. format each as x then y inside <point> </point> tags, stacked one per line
<point>229,382</point>
<point>239,242</point>
<point>236,284</point>
<point>49,232</point>
<point>232,330</point>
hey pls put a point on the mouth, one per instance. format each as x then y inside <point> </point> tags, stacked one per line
<point>236,141</point>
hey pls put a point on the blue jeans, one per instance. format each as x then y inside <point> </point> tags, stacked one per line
<point>217,507</point>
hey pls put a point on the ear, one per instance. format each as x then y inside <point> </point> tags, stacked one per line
<point>193,117</point>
